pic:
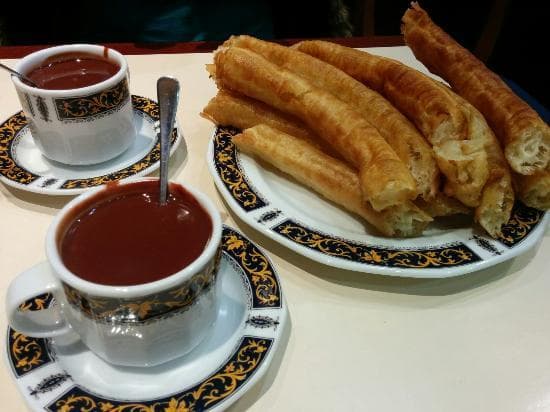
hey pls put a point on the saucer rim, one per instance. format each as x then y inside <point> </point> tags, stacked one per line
<point>276,336</point>
<point>75,191</point>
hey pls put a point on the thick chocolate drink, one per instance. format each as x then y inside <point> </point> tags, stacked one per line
<point>122,236</point>
<point>72,71</point>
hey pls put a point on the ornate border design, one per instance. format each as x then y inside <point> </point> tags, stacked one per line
<point>259,271</point>
<point>227,167</point>
<point>49,383</point>
<point>452,255</point>
<point>38,302</point>
<point>243,363</point>
<point>8,166</point>
<point>150,108</point>
<point>12,127</point>
<point>148,308</point>
<point>523,221</point>
<point>94,105</point>
<point>266,292</point>
<point>26,102</point>
<point>42,108</point>
<point>25,353</point>
<point>262,322</point>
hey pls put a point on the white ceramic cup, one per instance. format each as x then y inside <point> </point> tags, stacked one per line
<point>139,325</point>
<point>81,126</point>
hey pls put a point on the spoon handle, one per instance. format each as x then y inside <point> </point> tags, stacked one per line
<point>23,78</point>
<point>168,90</point>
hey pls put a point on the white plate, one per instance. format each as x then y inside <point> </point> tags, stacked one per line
<point>23,166</point>
<point>53,375</point>
<point>296,217</point>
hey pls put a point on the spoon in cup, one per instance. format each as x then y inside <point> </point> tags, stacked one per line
<point>168,89</point>
<point>22,77</point>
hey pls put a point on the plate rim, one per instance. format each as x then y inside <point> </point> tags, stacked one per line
<point>526,243</point>
<point>275,338</point>
<point>75,191</point>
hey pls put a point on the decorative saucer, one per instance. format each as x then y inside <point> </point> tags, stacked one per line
<point>23,166</point>
<point>63,375</point>
<point>306,223</point>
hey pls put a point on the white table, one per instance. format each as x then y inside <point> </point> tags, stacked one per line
<point>479,342</point>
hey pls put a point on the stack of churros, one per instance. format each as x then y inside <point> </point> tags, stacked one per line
<point>524,136</point>
<point>369,134</point>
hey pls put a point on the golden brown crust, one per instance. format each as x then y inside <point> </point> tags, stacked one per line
<point>410,91</point>
<point>385,180</point>
<point>442,205</point>
<point>432,108</point>
<point>524,135</point>
<point>534,190</point>
<point>497,198</point>
<point>231,109</point>
<point>329,177</point>
<point>397,130</point>
<point>464,164</point>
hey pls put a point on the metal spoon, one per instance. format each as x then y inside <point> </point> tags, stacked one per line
<point>23,78</point>
<point>168,90</point>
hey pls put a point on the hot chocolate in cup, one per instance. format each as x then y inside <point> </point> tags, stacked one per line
<point>136,280</point>
<point>81,113</point>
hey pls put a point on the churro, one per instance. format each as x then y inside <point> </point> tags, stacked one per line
<point>384,179</point>
<point>329,177</point>
<point>523,134</point>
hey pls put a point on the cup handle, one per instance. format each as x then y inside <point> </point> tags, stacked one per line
<point>43,323</point>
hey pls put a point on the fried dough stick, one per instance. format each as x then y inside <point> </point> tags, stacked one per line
<point>497,198</point>
<point>523,134</point>
<point>534,190</point>
<point>384,179</point>
<point>442,205</point>
<point>228,108</point>
<point>396,129</point>
<point>430,106</point>
<point>329,177</point>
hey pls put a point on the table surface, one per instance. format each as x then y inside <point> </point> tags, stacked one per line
<point>478,342</point>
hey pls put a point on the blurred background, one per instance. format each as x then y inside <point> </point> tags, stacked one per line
<point>509,35</point>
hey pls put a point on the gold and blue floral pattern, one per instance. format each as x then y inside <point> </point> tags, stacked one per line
<point>452,255</point>
<point>9,130</point>
<point>524,219</point>
<point>148,308</point>
<point>26,353</point>
<point>249,355</point>
<point>225,159</point>
<point>38,303</point>
<point>150,108</point>
<point>223,382</point>
<point>94,105</point>
<point>147,106</point>
<point>10,169</point>
<point>445,255</point>
<point>266,292</point>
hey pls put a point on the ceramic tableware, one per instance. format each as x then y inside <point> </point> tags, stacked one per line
<point>303,221</point>
<point>141,324</point>
<point>84,125</point>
